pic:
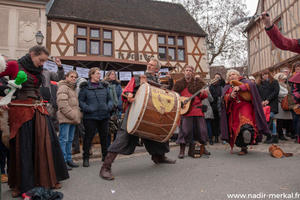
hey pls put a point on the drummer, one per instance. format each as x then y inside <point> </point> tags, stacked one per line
<point>125,143</point>
<point>192,125</point>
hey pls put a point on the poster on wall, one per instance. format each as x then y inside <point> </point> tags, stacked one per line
<point>82,72</point>
<point>51,66</point>
<point>67,68</point>
<point>102,74</point>
<point>138,73</point>
<point>125,76</point>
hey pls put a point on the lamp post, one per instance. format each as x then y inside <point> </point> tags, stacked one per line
<point>39,38</point>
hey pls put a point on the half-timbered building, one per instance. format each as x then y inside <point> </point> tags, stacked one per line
<point>123,34</point>
<point>262,53</point>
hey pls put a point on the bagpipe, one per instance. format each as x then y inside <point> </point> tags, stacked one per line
<point>246,95</point>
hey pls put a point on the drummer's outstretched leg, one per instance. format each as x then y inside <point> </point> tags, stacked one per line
<point>105,171</point>
<point>123,144</point>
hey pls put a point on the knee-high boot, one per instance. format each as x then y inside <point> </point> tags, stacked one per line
<point>105,171</point>
<point>181,153</point>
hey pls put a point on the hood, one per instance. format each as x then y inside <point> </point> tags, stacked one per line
<point>64,82</point>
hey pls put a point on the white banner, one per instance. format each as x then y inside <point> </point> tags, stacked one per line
<point>125,76</point>
<point>102,73</point>
<point>51,66</point>
<point>164,70</point>
<point>67,68</point>
<point>138,73</point>
<point>82,72</point>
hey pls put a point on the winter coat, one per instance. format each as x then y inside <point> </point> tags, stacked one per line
<point>269,91</point>
<point>68,105</point>
<point>209,113</point>
<point>95,102</point>
<point>216,92</point>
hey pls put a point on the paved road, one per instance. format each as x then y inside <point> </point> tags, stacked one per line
<point>137,178</point>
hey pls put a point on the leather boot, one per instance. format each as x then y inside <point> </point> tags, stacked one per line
<point>86,162</point>
<point>105,171</point>
<point>211,141</point>
<point>217,139</point>
<point>181,153</point>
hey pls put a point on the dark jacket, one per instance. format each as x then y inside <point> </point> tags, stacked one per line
<point>269,91</point>
<point>95,102</point>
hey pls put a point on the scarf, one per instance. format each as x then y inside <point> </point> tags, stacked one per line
<point>113,93</point>
<point>29,67</point>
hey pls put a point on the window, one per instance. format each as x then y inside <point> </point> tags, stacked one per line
<point>107,48</point>
<point>161,40</point>
<point>95,33</point>
<point>278,23</point>
<point>162,52</point>
<point>171,48</point>
<point>107,43</point>
<point>94,41</point>
<point>81,46</point>
<point>94,45</point>
<point>81,31</point>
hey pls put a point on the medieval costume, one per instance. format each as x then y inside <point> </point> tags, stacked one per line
<point>295,80</point>
<point>282,42</point>
<point>35,155</point>
<point>242,121</point>
<point>125,143</point>
<point>192,125</point>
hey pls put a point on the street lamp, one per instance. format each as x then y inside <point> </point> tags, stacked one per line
<point>39,38</point>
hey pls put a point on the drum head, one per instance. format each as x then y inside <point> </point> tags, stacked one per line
<point>138,108</point>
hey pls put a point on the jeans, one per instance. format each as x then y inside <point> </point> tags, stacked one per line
<point>272,124</point>
<point>66,135</point>
<point>209,130</point>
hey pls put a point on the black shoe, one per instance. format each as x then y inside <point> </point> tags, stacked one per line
<point>274,139</point>
<point>281,137</point>
<point>86,162</point>
<point>216,139</point>
<point>72,164</point>
<point>69,168</point>
<point>268,139</point>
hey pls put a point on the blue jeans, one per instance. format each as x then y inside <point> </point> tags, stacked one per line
<point>66,135</point>
<point>272,124</point>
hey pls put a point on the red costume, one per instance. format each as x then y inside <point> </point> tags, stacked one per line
<point>282,42</point>
<point>240,113</point>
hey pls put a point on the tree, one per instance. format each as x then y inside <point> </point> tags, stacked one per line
<point>227,45</point>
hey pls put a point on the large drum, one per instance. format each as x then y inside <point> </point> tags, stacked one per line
<point>154,113</point>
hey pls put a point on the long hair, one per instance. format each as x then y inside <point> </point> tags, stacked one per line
<point>260,77</point>
<point>106,78</point>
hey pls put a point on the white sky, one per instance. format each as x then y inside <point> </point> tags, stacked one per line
<point>251,5</point>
